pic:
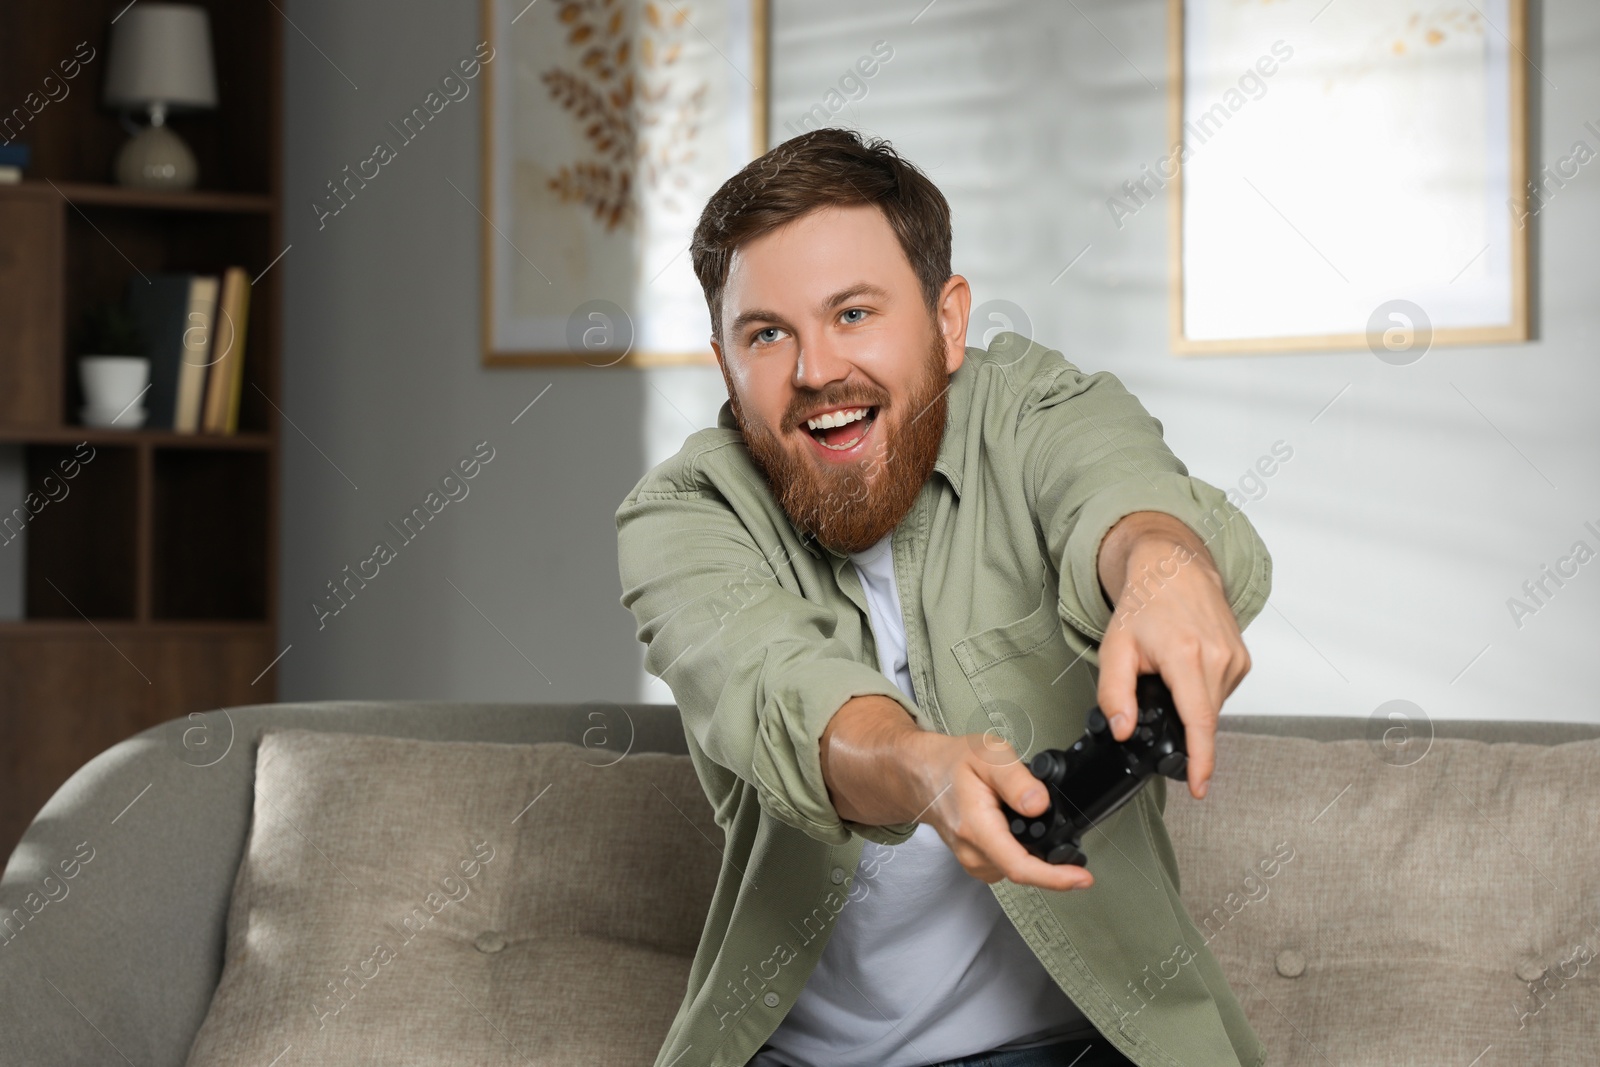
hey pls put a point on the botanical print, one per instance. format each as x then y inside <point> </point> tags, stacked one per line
<point>630,126</point>
<point>610,123</point>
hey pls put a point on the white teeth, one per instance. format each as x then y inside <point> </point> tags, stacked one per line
<point>836,418</point>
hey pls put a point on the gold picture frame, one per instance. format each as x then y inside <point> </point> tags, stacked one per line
<point>1505,77</point>
<point>679,83</point>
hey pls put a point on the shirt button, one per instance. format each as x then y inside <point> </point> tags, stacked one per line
<point>489,941</point>
<point>770,1000</point>
<point>1290,963</point>
<point>837,875</point>
<point>1529,971</point>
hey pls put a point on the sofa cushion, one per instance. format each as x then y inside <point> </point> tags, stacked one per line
<point>461,902</point>
<point>1377,908</point>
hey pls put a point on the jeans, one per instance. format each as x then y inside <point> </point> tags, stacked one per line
<point>1094,1052</point>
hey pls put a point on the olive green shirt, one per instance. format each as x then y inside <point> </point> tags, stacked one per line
<point>763,634</point>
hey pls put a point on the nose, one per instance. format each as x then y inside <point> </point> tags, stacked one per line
<point>820,361</point>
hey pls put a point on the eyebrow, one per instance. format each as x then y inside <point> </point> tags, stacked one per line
<point>843,296</point>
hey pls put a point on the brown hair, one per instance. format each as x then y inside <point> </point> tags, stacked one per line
<point>823,168</point>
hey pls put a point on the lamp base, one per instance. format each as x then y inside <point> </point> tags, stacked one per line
<point>156,158</point>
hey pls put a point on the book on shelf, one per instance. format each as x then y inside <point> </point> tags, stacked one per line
<point>199,325</point>
<point>194,327</point>
<point>160,306</point>
<point>226,378</point>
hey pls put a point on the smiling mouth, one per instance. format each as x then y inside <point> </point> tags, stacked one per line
<point>845,428</point>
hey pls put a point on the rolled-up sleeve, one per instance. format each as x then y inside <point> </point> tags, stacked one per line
<point>755,668</point>
<point>1091,455</point>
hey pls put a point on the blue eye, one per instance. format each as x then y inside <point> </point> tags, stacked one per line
<point>853,311</point>
<point>767,336</point>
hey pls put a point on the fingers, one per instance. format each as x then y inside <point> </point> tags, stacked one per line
<point>1015,784</point>
<point>1031,870</point>
<point>1240,668</point>
<point>977,834</point>
<point>1119,663</point>
<point>1189,634</point>
<point>1197,704</point>
<point>991,853</point>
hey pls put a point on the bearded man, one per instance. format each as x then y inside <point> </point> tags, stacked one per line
<point>896,566</point>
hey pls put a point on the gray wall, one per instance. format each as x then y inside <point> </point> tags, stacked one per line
<point>1405,519</point>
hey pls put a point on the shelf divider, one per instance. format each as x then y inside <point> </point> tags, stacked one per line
<point>259,441</point>
<point>96,194</point>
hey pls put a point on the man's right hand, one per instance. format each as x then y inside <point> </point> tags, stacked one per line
<point>968,776</point>
<point>881,768</point>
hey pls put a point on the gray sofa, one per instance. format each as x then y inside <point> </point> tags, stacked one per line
<point>1435,901</point>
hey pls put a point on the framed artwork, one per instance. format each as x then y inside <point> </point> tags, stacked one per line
<point>1346,174</point>
<point>607,125</point>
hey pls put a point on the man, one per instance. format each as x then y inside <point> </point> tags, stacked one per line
<point>896,566</point>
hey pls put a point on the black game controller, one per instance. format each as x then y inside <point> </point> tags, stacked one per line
<point>1099,774</point>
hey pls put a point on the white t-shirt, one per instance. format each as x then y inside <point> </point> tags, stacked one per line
<point>923,964</point>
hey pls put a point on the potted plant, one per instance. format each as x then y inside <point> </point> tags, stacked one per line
<point>113,368</point>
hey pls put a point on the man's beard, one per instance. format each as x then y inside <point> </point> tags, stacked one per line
<point>850,507</point>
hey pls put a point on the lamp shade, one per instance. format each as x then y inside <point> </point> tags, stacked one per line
<point>161,54</point>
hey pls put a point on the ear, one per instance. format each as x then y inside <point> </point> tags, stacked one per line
<point>722,365</point>
<point>955,304</point>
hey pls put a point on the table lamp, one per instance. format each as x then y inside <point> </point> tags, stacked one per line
<point>160,61</point>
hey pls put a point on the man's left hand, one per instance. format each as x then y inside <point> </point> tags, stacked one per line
<point>1170,617</point>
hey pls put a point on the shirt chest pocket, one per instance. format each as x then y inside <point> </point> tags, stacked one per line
<point>1019,672</point>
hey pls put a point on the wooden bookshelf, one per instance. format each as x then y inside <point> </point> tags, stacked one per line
<point>150,587</point>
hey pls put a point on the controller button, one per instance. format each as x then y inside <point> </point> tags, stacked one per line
<point>1017,827</point>
<point>1037,829</point>
<point>1145,734</point>
<point>1173,765</point>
